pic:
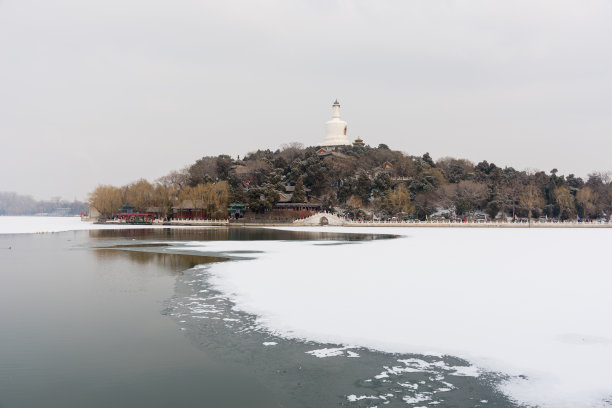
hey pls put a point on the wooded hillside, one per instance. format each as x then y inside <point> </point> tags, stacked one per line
<point>363,181</point>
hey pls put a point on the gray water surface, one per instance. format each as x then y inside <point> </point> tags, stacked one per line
<point>114,318</point>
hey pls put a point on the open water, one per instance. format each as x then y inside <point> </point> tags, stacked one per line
<point>119,318</point>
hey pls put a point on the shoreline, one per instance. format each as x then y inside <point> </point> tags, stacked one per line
<point>333,220</point>
<point>386,224</point>
<point>480,225</point>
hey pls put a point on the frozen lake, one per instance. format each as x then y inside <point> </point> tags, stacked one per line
<point>533,304</point>
<point>436,317</point>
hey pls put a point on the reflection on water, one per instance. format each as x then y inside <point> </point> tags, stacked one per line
<point>177,263</point>
<point>231,234</point>
<point>113,318</point>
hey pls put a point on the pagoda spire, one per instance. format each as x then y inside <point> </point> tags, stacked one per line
<point>336,110</point>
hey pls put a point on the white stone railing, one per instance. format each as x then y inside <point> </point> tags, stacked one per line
<point>188,221</point>
<point>479,222</point>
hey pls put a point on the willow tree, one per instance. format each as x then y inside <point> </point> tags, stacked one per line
<point>220,199</point>
<point>213,198</point>
<point>139,194</point>
<point>587,200</point>
<point>564,200</point>
<point>162,198</point>
<point>106,199</point>
<point>399,200</point>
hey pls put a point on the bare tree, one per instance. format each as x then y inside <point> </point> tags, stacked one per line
<point>203,170</point>
<point>455,170</point>
<point>291,151</point>
<point>177,179</point>
<point>587,198</point>
<point>603,191</point>
<point>531,199</point>
<point>607,202</point>
<point>470,196</point>
<point>446,198</point>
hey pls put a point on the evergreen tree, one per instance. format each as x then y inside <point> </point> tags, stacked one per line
<point>299,194</point>
<point>363,187</point>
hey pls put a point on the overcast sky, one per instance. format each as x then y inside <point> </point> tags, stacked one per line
<point>109,91</point>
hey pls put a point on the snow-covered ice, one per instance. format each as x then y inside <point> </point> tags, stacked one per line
<point>534,304</point>
<point>32,225</point>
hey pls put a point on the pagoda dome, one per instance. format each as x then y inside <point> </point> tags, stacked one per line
<point>336,129</point>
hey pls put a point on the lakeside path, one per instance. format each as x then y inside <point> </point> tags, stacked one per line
<point>419,225</point>
<point>330,219</point>
<point>483,225</point>
<point>423,224</point>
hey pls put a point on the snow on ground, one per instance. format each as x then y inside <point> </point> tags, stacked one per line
<point>33,225</point>
<point>532,303</point>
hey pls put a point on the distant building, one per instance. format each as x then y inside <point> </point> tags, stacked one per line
<point>127,209</point>
<point>157,212</point>
<point>236,210</point>
<point>387,165</point>
<point>335,130</point>
<point>190,210</point>
<point>92,214</point>
<point>358,142</point>
<point>297,206</point>
<point>285,201</point>
<point>323,152</point>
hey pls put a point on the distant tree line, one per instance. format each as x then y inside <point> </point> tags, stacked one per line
<point>364,182</point>
<point>16,204</point>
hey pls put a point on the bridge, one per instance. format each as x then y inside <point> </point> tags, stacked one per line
<point>321,219</point>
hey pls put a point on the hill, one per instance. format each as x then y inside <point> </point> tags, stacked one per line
<point>364,182</point>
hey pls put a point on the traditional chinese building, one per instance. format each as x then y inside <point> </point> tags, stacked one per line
<point>236,210</point>
<point>190,210</point>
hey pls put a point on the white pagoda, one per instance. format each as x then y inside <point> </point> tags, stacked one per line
<point>335,130</point>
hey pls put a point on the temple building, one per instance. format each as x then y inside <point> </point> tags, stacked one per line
<point>335,130</point>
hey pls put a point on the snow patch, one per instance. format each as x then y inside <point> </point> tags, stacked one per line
<point>332,352</point>
<point>33,225</point>
<point>524,302</point>
<point>353,397</point>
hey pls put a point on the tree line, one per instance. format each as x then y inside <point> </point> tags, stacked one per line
<point>12,203</point>
<point>160,197</point>
<point>364,182</point>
